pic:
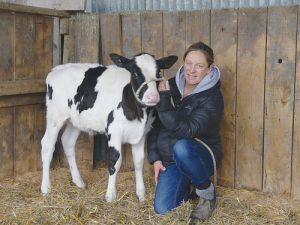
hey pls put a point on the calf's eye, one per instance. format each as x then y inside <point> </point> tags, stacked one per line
<point>135,75</point>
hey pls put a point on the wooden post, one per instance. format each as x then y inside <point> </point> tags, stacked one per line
<point>296,139</point>
<point>224,44</point>
<point>174,39</point>
<point>250,97</point>
<point>279,98</point>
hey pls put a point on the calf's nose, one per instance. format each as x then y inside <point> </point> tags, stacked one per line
<point>153,98</point>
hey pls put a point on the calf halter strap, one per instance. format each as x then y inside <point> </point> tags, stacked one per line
<point>137,93</point>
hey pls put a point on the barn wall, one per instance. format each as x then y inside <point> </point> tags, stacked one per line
<point>257,52</point>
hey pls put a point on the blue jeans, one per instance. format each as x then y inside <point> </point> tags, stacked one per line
<point>193,165</point>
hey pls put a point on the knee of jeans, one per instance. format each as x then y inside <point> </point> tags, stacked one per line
<point>180,149</point>
<point>160,209</point>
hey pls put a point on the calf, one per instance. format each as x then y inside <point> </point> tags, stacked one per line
<point>114,100</point>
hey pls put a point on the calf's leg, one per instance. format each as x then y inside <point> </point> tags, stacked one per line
<point>48,147</point>
<point>138,160</point>
<point>69,139</point>
<point>114,164</point>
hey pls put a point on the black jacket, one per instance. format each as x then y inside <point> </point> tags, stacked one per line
<point>195,116</point>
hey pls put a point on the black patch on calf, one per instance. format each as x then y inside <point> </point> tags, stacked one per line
<point>120,105</point>
<point>114,155</point>
<point>70,103</point>
<point>86,94</point>
<point>110,119</point>
<point>132,109</point>
<point>49,91</point>
<point>137,79</point>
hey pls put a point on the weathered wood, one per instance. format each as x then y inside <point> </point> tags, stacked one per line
<point>25,155</point>
<point>87,37</point>
<point>43,46</point>
<point>224,44</point>
<point>77,5</point>
<point>64,25</point>
<point>197,27</point>
<point>250,92</point>
<point>131,44</point>
<point>6,142</point>
<point>6,6</point>
<point>131,34</point>
<point>295,192</point>
<point>22,87</point>
<point>152,36</point>
<point>152,42</point>
<point>69,51</point>
<point>56,43</point>
<point>24,99</point>
<point>279,98</point>
<point>24,46</point>
<point>7,46</point>
<point>111,39</point>
<point>39,130</point>
<point>174,39</point>
<point>85,151</point>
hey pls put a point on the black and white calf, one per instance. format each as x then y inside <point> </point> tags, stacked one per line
<point>115,100</point>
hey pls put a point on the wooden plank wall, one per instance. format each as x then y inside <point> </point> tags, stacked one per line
<point>26,57</point>
<point>256,51</point>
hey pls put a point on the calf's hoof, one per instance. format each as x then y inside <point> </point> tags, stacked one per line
<point>45,188</point>
<point>141,195</point>
<point>110,195</point>
<point>79,183</point>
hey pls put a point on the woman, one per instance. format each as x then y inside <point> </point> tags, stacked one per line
<point>191,106</point>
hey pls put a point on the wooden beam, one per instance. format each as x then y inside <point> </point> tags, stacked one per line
<point>75,5</point>
<point>5,6</point>
<point>22,87</point>
<point>19,100</point>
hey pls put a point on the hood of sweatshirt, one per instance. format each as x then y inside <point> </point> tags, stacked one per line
<point>207,82</point>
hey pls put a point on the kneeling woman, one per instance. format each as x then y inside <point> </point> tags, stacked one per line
<point>191,106</point>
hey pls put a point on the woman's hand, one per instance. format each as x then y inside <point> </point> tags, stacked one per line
<point>164,87</point>
<point>158,166</point>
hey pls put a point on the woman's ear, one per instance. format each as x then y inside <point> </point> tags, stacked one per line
<point>210,68</point>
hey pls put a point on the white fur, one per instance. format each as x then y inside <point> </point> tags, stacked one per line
<point>64,80</point>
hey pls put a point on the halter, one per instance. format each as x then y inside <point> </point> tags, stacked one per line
<point>137,93</point>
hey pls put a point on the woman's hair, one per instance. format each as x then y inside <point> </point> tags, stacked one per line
<point>205,49</point>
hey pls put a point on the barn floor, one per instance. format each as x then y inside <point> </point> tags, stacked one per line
<point>21,202</point>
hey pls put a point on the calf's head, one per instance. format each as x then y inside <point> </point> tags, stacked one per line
<point>144,71</point>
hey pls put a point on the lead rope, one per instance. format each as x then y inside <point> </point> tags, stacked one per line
<point>137,93</point>
<point>162,78</point>
<point>213,158</point>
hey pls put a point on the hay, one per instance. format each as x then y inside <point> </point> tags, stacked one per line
<point>21,202</point>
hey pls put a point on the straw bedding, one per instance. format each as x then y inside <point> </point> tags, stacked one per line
<point>21,202</point>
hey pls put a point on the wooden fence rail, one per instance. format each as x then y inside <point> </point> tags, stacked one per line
<point>258,53</point>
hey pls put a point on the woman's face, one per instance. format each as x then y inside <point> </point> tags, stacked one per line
<point>195,68</point>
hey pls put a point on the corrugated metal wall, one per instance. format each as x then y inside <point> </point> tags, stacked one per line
<point>108,6</point>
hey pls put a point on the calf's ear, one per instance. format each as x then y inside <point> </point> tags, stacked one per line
<point>120,61</point>
<point>166,62</point>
